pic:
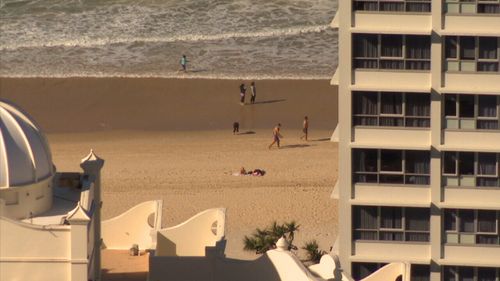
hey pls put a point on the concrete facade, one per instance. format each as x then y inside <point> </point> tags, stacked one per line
<point>460,198</point>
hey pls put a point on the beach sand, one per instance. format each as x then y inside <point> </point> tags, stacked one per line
<point>171,139</point>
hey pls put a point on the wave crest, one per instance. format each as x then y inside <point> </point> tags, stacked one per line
<point>95,42</point>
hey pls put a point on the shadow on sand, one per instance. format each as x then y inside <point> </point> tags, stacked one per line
<point>246,133</point>
<point>269,101</point>
<point>325,139</point>
<point>295,146</point>
<point>124,276</point>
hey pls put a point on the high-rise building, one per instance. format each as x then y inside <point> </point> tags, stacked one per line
<point>419,137</point>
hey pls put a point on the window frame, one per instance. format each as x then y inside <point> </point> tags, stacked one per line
<point>458,64</point>
<point>379,230</point>
<point>458,177</point>
<point>475,4</point>
<point>476,233</point>
<point>378,115</point>
<point>379,58</point>
<point>404,2</point>
<point>379,172</point>
<point>456,122</point>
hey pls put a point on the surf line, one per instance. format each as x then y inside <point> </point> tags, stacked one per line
<point>89,42</point>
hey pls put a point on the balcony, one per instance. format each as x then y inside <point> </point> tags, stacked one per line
<point>391,251</point>
<point>471,140</point>
<point>471,197</point>
<point>471,255</point>
<point>383,22</point>
<point>400,80</point>
<point>471,82</point>
<point>391,195</point>
<point>463,19</point>
<point>387,137</point>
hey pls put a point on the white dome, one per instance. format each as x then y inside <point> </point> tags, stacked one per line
<point>24,153</point>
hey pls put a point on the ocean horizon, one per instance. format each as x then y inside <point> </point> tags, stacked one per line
<point>236,39</point>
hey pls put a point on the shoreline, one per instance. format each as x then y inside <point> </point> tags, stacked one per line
<point>173,76</point>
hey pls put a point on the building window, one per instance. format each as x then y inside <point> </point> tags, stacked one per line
<point>391,223</point>
<point>472,6</point>
<point>466,273</point>
<point>387,166</point>
<point>471,169</point>
<point>415,6</point>
<point>391,109</point>
<point>386,51</point>
<point>471,227</point>
<point>475,112</point>
<point>469,53</point>
<point>361,270</point>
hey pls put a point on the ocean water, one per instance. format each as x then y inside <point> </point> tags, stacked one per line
<point>146,38</point>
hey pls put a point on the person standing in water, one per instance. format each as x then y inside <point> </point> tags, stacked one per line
<point>305,128</point>
<point>276,136</point>
<point>253,92</point>
<point>243,91</point>
<point>184,63</point>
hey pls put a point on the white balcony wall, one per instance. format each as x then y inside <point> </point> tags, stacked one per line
<point>472,82</point>
<point>379,22</point>
<point>456,197</point>
<point>383,137</point>
<point>472,24</point>
<point>473,255</point>
<point>387,80</point>
<point>392,195</point>
<point>474,139</point>
<point>392,251</point>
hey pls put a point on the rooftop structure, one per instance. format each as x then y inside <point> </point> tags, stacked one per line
<point>49,221</point>
<point>419,137</point>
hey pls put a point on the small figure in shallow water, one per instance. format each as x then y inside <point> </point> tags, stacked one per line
<point>184,63</point>
<point>253,92</point>
<point>305,128</point>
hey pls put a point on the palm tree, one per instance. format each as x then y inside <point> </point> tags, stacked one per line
<point>263,240</point>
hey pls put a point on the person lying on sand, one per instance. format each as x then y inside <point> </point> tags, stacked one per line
<point>256,172</point>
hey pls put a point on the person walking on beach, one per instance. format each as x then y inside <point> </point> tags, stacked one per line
<point>305,128</point>
<point>236,128</point>
<point>253,92</point>
<point>243,91</point>
<point>276,136</point>
<point>184,63</point>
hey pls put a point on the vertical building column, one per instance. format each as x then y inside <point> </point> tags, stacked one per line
<point>78,221</point>
<point>344,121</point>
<point>92,166</point>
<point>436,137</point>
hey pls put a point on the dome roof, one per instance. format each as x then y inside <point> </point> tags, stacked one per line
<point>24,153</point>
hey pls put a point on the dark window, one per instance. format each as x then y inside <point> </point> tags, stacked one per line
<point>386,223</point>
<point>466,163</point>
<point>391,160</point>
<point>486,221</point>
<point>488,47</point>
<point>486,274</point>
<point>450,105</point>
<point>420,272</point>
<point>450,220</point>
<point>466,106</point>
<point>467,48</point>
<point>466,274</point>
<point>386,51</point>
<point>451,47</point>
<point>450,163</point>
<point>466,220</point>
